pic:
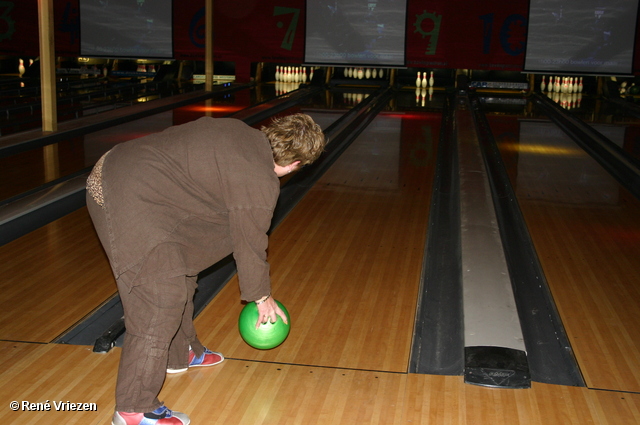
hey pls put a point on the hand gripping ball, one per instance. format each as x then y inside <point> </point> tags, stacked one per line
<point>268,335</point>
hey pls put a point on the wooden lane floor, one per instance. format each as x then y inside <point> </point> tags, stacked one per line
<point>346,262</point>
<point>64,374</point>
<point>585,228</point>
<point>51,279</point>
<point>239,392</point>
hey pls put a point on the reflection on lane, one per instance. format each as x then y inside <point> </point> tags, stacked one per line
<point>552,167</point>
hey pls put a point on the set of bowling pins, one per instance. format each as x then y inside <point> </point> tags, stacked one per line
<point>293,74</point>
<point>424,82</point>
<point>559,84</point>
<point>363,73</point>
<point>421,95</point>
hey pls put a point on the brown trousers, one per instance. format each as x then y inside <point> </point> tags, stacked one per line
<point>158,316</point>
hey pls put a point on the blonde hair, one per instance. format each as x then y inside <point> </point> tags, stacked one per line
<point>295,138</point>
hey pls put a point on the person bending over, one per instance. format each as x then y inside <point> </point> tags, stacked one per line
<point>167,206</point>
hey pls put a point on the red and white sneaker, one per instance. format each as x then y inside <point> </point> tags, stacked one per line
<point>208,358</point>
<point>161,416</point>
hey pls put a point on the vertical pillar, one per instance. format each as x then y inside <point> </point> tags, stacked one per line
<point>258,76</point>
<point>47,66</point>
<point>208,45</point>
<point>51,162</point>
<point>532,82</point>
<point>328,75</point>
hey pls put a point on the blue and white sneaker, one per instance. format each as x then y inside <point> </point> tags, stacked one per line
<point>161,416</point>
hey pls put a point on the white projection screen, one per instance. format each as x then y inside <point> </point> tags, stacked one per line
<point>581,36</point>
<point>355,32</point>
<point>126,28</point>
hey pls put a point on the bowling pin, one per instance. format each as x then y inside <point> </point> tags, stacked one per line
<point>580,86</point>
<point>374,73</point>
<point>381,72</point>
<point>542,85</point>
<point>360,73</point>
<point>367,73</point>
<point>430,93</point>
<point>418,80</point>
<point>311,74</point>
<point>431,80</point>
<point>21,69</point>
<point>417,96</point>
<point>424,79</point>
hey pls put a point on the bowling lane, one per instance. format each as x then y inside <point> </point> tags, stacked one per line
<point>51,278</point>
<point>611,120</point>
<point>28,170</point>
<point>56,275</point>
<point>585,228</point>
<point>346,262</point>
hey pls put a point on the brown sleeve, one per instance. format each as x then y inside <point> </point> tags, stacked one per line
<point>248,227</point>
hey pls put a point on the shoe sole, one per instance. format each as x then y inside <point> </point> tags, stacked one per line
<point>177,370</point>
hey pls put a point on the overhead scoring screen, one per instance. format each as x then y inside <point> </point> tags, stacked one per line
<point>126,28</point>
<point>584,36</point>
<point>355,32</point>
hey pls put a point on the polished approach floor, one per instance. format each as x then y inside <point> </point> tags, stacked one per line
<point>346,262</point>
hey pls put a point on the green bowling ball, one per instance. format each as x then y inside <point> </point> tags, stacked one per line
<point>268,335</point>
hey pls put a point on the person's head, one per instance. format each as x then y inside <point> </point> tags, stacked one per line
<point>295,138</point>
